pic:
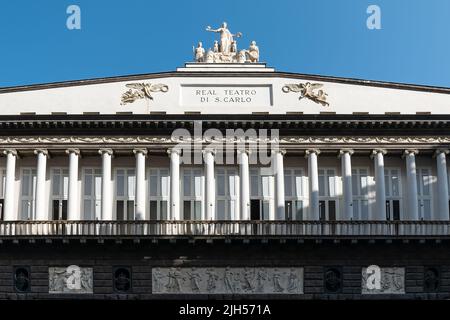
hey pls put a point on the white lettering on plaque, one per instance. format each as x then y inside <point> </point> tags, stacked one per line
<point>226,95</point>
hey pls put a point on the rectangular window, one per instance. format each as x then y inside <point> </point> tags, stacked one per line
<point>159,192</point>
<point>92,193</point>
<point>392,178</point>
<point>262,190</point>
<point>60,190</point>
<point>294,181</point>
<point>192,196</point>
<point>327,193</point>
<point>125,186</point>
<point>424,183</point>
<point>227,186</point>
<point>360,193</point>
<point>28,194</point>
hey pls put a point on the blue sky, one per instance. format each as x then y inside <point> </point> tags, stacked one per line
<point>325,37</point>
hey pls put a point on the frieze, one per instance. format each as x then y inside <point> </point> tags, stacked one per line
<point>165,140</point>
<point>377,280</point>
<point>71,279</point>
<point>227,280</point>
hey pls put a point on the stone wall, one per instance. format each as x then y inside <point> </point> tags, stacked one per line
<point>315,259</point>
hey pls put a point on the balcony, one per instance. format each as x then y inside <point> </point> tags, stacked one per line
<point>226,229</point>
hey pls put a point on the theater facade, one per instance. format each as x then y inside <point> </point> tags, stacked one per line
<point>224,179</point>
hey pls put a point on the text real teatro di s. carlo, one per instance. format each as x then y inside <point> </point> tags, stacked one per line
<point>224,177</point>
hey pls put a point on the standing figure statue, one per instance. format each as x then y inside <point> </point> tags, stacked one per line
<point>199,53</point>
<point>226,37</point>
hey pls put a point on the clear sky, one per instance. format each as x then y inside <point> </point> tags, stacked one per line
<point>325,37</point>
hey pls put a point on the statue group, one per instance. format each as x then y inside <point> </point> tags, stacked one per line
<point>225,50</point>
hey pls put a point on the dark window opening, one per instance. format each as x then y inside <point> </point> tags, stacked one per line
<point>22,279</point>
<point>431,280</point>
<point>255,209</point>
<point>122,279</point>
<point>333,280</point>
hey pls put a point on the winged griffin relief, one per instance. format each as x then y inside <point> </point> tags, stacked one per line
<point>307,90</point>
<point>141,91</point>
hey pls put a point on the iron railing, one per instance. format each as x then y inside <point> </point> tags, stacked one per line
<point>349,229</point>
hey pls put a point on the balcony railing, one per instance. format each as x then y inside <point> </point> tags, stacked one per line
<point>226,229</point>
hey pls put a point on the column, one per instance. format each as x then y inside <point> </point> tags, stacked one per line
<point>140,184</point>
<point>41,213</point>
<point>210,197</point>
<point>346,168</point>
<point>442,212</point>
<point>278,155</point>
<point>8,207</point>
<point>73,199</point>
<point>106,184</point>
<point>244,178</point>
<point>412,212</point>
<point>380,193</point>
<point>174,184</point>
<point>313,177</point>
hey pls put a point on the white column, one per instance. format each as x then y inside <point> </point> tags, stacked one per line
<point>244,178</point>
<point>107,213</point>
<point>380,193</point>
<point>140,200</point>
<point>41,213</point>
<point>442,212</point>
<point>279,184</point>
<point>175,213</point>
<point>346,169</point>
<point>210,197</point>
<point>412,212</point>
<point>8,207</point>
<point>73,199</point>
<point>313,177</point>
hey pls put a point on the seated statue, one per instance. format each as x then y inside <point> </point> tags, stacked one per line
<point>253,52</point>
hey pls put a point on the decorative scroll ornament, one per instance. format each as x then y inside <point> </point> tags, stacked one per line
<point>307,91</point>
<point>225,49</point>
<point>142,91</point>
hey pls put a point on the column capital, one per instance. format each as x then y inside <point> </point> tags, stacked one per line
<point>439,151</point>
<point>106,150</point>
<point>310,151</point>
<point>209,150</point>
<point>377,151</point>
<point>282,151</point>
<point>342,151</point>
<point>144,151</point>
<point>408,152</point>
<point>174,151</point>
<point>73,150</point>
<point>43,151</point>
<point>10,151</point>
<point>242,151</point>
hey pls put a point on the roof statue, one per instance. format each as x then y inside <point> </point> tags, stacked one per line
<point>225,50</point>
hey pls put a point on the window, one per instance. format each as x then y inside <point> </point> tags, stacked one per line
<point>431,281</point>
<point>424,183</point>
<point>360,193</point>
<point>262,206</point>
<point>192,194</point>
<point>28,194</point>
<point>159,191</point>
<point>125,186</point>
<point>327,194</point>
<point>92,194</point>
<point>122,279</point>
<point>60,185</point>
<point>22,279</point>
<point>392,178</point>
<point>294,189</point>
<point>227,194</point>
<point>333,280</point>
